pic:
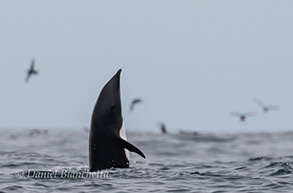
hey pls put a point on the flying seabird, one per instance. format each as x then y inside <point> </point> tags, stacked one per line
<point>134,102</point>
<point>34,132</point>
<point>31,71</point>
<point>163,128</point>
<point>266,108</point>
<point>243,116</point>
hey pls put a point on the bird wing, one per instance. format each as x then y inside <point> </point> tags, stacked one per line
<point>259,102</point>
<point>135,101</point>
<point>27,77</point>
<point>250,114</point>
<point>272,107</point>
<point>131,106</point>
<point>33,64</point>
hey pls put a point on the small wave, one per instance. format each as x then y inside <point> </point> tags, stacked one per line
<point>279,164</point>
<point>260,158</point>
<point>14,188</point>
<point>281,172</point>
<point>281,168</point>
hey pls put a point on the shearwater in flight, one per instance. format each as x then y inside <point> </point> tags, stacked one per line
<point>31,71</point>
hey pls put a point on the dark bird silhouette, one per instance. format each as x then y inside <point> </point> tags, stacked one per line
<point>134,102</point>
<point>34,132</point>
<point>266,108</point>
<point>31,71</point>
<point>163,128</point>
<point>243,116</point>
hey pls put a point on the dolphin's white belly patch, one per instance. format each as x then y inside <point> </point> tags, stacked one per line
<point>123,136</point>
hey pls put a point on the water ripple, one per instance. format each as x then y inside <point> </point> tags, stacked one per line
<point>175,163</point>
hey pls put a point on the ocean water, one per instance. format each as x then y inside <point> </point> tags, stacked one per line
<point>57,161</point>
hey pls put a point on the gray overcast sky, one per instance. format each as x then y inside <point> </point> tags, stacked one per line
<point>192,62</point>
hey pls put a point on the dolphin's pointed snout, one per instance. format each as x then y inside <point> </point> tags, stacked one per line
<point>118,73</point>
<point>117,78</point>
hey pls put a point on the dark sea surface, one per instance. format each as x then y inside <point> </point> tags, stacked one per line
<point>246,162</point>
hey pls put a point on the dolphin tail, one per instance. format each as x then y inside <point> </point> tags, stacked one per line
<point>130,147</point>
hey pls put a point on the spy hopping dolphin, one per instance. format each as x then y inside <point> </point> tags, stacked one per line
<point>107,141</point>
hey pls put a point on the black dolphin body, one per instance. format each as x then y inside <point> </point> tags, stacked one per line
<point>106,147</point>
